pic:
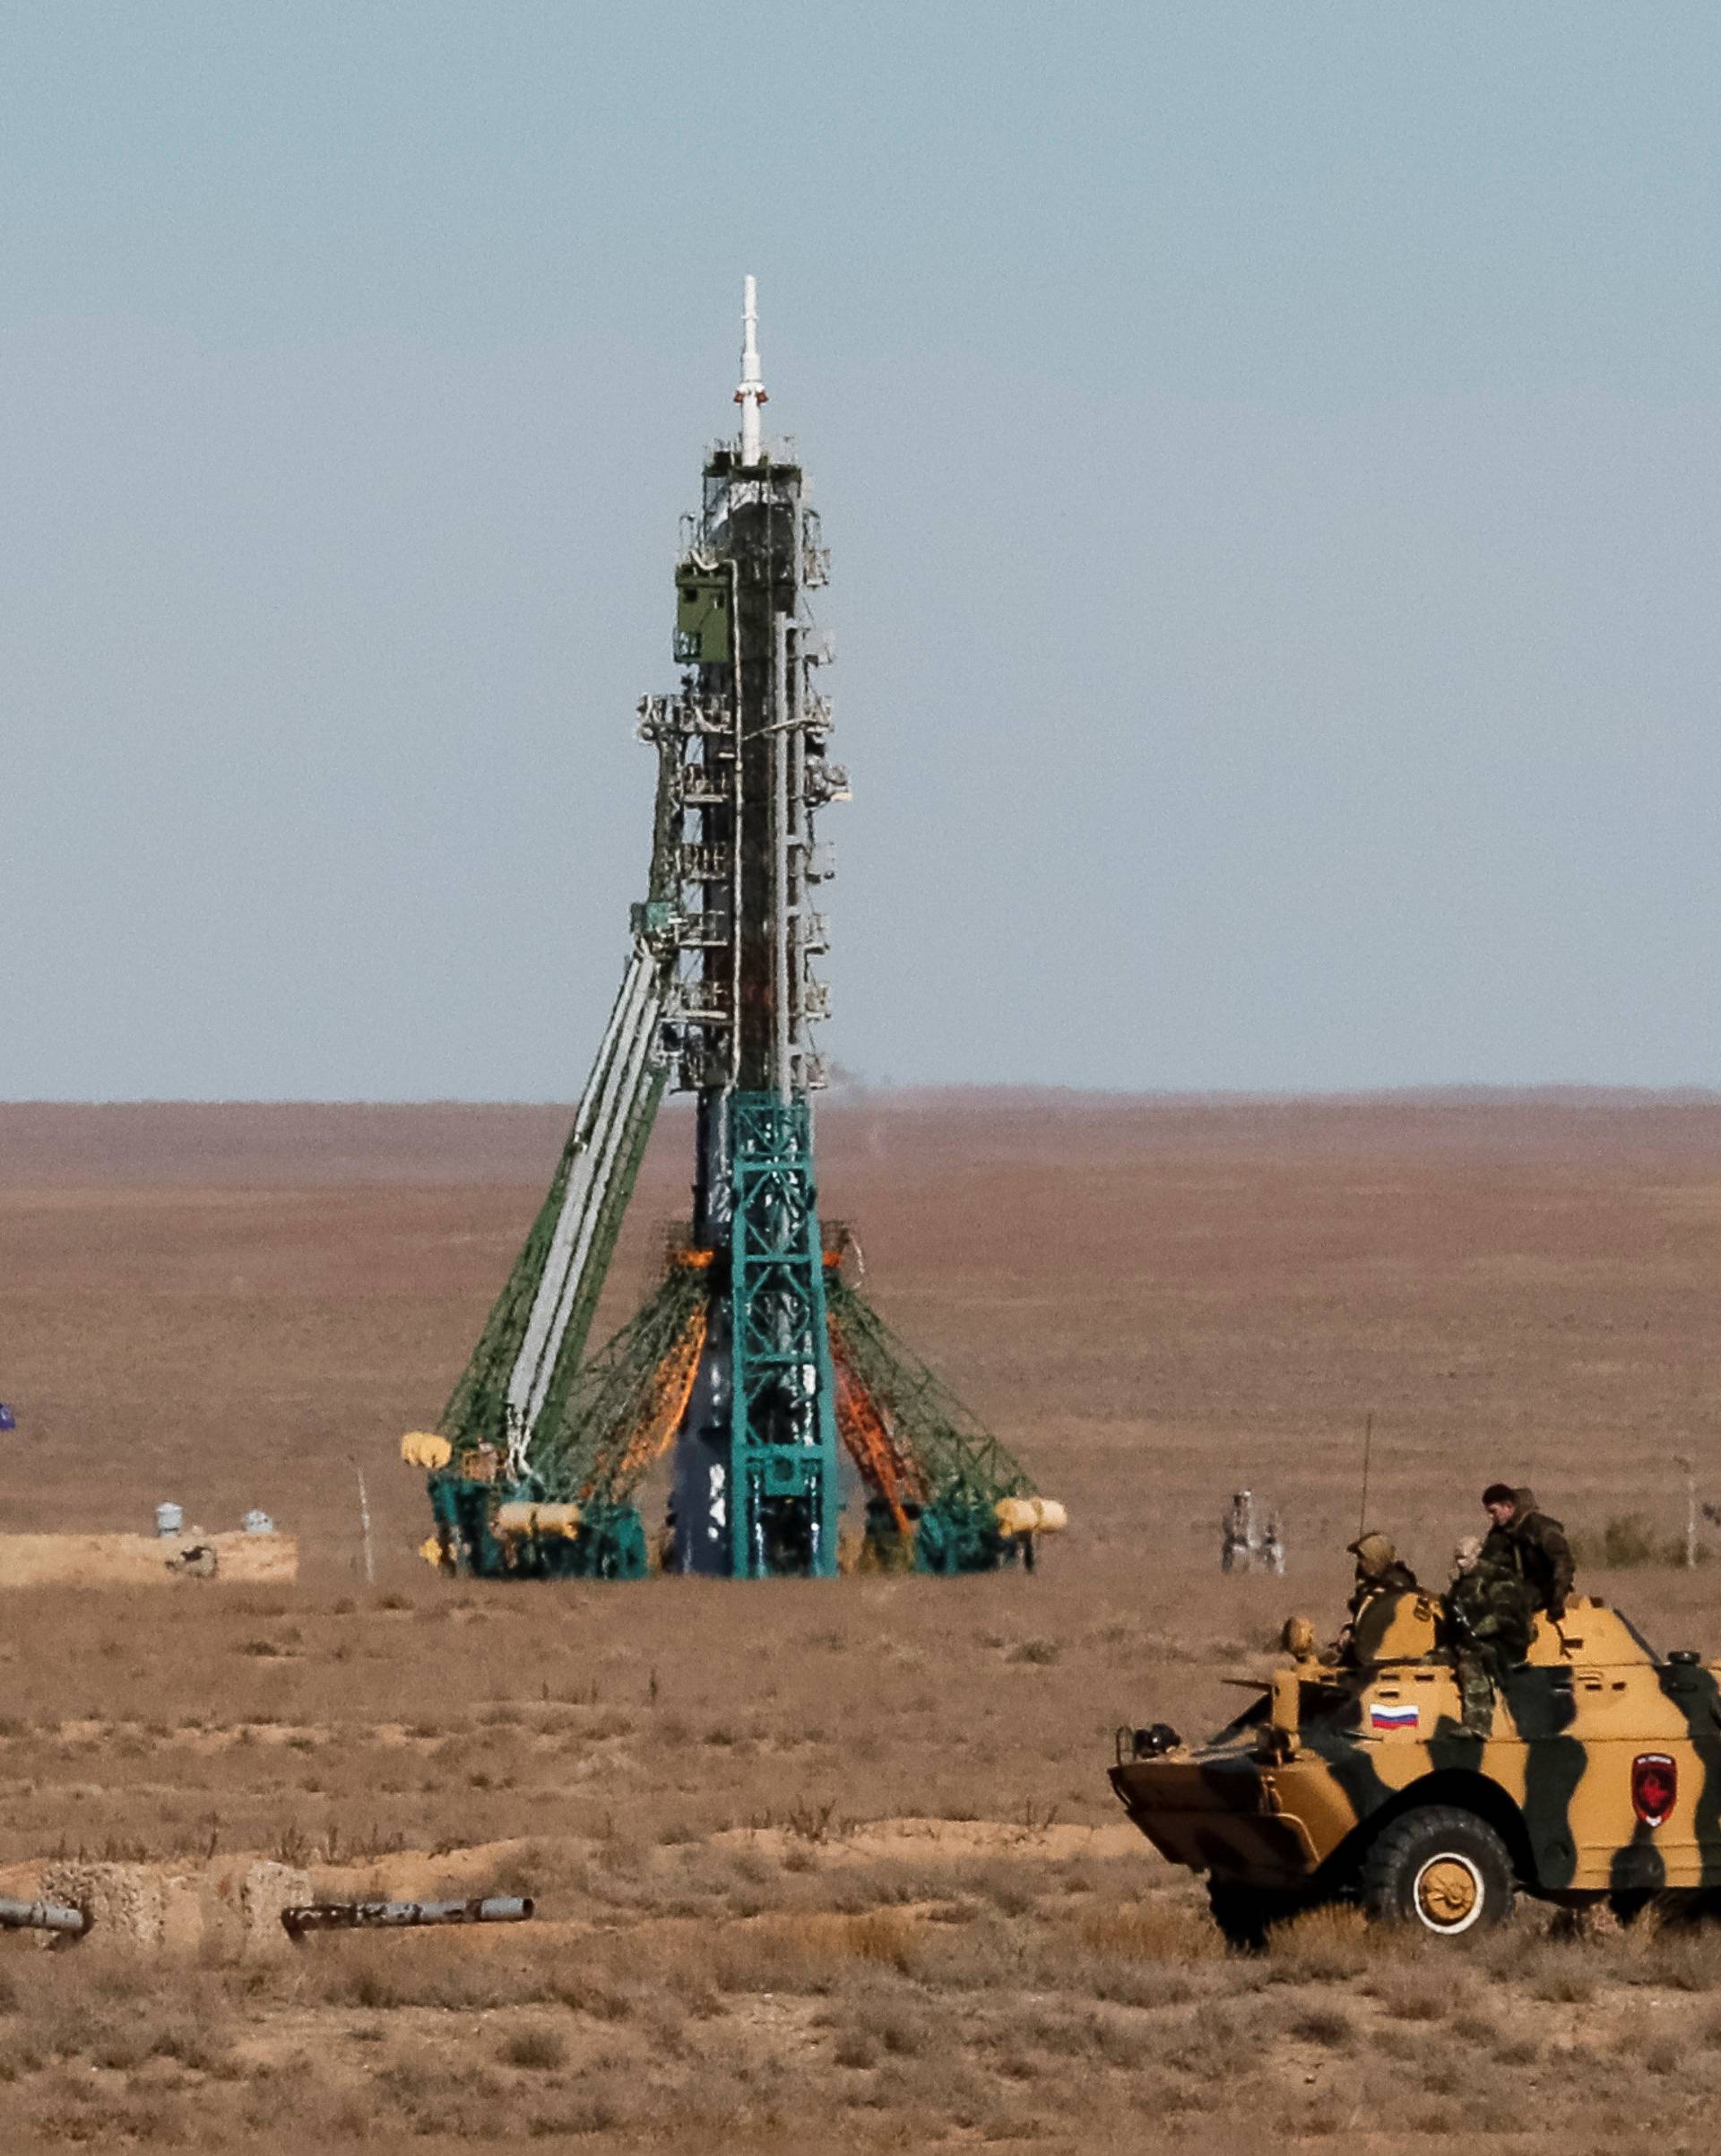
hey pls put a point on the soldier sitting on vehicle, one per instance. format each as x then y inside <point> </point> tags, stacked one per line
<point>1529,1543</point>
<point>1380,1570</point>
<point>1488,1619</point>
<point>1381,1577</point>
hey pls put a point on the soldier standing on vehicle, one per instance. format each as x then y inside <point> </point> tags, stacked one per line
<point>1532,1544</point>
<point>1489,1615</point>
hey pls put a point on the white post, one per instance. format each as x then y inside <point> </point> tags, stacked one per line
<point>364,1526</point>
<point>750,395</point>
<point>1680,1460</point>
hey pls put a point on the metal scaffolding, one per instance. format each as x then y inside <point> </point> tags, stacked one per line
<point>751,1360</point>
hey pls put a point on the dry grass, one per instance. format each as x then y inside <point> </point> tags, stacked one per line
<point>981,2028</point>
<point>1157,1305</point>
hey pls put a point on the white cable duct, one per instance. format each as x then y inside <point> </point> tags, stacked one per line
<point>547,1320</point>
<point>600,1121</point>
<point>799,838</point>
<point>546,1296</point>
<point>637,1055</point>
<point>736,830</point>
<point>783,1076</point>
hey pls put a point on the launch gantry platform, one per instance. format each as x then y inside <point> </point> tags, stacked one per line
<point>755,1358</point>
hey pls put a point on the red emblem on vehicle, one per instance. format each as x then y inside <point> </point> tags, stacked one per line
<point>1655,1784</point>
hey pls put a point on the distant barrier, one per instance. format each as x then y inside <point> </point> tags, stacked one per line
<point>395,1916</point>
<point>42,1915</point>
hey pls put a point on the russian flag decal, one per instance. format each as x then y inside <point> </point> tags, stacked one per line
<point>1382,1715</point>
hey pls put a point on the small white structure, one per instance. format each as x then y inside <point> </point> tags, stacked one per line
<point>1247,1542</point>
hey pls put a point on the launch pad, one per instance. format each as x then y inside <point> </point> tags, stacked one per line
<point>756,1360</point>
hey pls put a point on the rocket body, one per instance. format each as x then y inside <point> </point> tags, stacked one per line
<point>754,1466</point>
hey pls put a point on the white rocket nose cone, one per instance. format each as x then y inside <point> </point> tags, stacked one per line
<point>750,395</point>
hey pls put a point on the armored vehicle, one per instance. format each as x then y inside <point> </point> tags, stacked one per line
<point>1356,1780</point>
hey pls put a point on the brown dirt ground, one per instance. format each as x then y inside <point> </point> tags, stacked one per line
<point>822,1865</point>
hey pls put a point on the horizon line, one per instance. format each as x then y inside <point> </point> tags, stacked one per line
<point>1572,1092</point>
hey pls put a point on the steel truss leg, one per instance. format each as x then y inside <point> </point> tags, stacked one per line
<point>783,1490</point>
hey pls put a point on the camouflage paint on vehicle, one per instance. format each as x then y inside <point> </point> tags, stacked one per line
<point>1602,1772</point>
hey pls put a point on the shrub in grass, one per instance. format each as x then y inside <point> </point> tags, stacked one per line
<point>541,2049</point>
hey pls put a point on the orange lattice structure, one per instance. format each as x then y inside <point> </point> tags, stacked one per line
<point>660,1413</point>
<point>887,1469</point>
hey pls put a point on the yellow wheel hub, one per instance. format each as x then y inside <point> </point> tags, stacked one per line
<point>1447,1891</point>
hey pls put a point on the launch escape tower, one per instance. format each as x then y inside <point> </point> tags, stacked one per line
<point>755,1358</point>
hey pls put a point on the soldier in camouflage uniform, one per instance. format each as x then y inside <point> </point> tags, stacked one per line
<point>1529,1543</point>
<point>1488,1615</point>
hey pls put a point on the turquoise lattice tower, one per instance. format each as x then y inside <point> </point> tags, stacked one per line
<point>783,1493</point>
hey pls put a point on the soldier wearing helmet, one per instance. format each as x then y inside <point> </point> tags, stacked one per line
<point>1380,1572</point>
<point>1529,1543</point>
<point>1379,1569</point>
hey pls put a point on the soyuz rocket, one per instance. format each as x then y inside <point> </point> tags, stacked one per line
<point>754,1365</point>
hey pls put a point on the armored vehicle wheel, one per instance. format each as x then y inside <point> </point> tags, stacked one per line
<point>1440,1868</point>
<point>1246,1914</point>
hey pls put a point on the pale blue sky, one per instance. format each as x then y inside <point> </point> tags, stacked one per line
<point>1269,455</point>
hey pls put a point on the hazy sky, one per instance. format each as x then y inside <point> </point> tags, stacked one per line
<point>1269,453</point>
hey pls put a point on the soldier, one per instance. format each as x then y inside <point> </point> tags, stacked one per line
<point>1379,1571</point>
<point>1488,1614</point>
<point>1531,1544</point>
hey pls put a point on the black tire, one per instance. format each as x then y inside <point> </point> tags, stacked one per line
<point>1247,1914</point>
<point>1442,1870</point>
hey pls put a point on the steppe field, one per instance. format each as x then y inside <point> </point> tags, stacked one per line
<point>823,1866</point>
